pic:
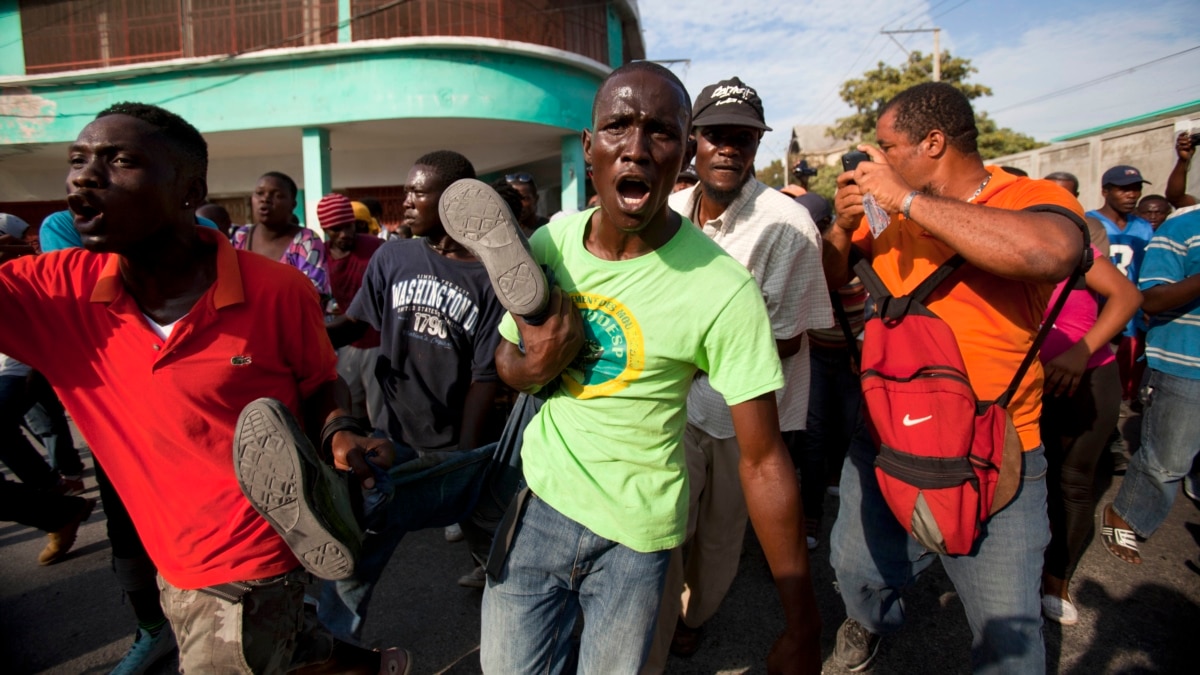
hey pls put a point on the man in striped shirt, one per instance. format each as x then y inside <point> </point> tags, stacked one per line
<point>1170,284</point>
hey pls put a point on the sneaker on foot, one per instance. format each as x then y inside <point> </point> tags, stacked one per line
<point>1059,610</point>
<point>812,532</point>
<point>856,646</point>
<point>304,499</point>
<point>147,649</point>
<point>61,540</point>
<point>476,578</point>
<point>454,533</point>
<point>479,219</point>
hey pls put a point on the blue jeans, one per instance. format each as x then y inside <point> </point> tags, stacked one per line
<point>16,452</point>
<point>47,420</point>
<point>1170,443</point>
<point>436,490</point>
<point>874,559</point>
<point>833,418</point>
<point>555,567</point>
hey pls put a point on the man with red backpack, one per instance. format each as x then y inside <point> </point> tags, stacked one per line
<point>935,199</point>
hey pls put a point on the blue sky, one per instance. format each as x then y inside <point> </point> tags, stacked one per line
<point>797,54</point>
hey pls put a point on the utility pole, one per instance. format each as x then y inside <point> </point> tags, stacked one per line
<point>937,49</point>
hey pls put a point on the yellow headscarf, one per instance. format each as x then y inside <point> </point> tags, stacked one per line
<point>361,212</point>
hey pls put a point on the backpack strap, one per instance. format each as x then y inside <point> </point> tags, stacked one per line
<point>1081,269</point>
<point>839,311</point>
<point>890,307</point>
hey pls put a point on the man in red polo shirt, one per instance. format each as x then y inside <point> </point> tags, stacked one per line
<point>156,337</point>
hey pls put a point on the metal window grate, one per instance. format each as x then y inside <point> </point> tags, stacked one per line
<point>62,35</point>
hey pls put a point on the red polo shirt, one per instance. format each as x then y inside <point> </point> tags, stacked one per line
<point>158,414</point>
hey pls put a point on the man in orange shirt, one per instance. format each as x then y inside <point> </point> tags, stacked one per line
<point>169,334</point>
<point>928,176</point>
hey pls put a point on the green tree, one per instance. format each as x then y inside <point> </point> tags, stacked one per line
<point>868,93</point>
<point>996,141</point>
<point>772,174</point>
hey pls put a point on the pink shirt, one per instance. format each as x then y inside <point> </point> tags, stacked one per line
<point>1076,319</point>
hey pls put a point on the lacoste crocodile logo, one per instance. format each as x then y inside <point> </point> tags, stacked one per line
<point>910,422</point>
<point>240,360</point>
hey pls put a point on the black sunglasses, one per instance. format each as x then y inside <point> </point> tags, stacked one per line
<point>518,178</point>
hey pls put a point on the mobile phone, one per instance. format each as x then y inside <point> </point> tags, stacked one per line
<point>1195,139</point>
<point>851,159</point>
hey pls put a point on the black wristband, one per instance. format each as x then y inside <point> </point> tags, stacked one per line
<point>339,423</point>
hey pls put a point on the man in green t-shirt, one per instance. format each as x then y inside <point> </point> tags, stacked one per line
<point>646,301</point>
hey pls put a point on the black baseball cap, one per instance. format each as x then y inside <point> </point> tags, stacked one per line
<point>729,102</point>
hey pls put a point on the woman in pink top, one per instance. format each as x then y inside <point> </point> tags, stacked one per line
<point>276,235</point>
<point>1081,402</point>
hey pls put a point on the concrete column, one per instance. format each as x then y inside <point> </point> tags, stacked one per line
<point>344,28</point>
<point>616,38</point>
<point>12,47</point>
<point>318,178</point>
<point>573,176</point>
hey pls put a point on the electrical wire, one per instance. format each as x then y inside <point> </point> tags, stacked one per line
<point>1091,83</point>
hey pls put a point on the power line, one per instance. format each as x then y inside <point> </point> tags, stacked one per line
<point>1091,83</point>
<point>951,9</point>
<point>820,109</point>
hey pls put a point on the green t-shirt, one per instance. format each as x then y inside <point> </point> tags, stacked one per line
<point>606,449</point>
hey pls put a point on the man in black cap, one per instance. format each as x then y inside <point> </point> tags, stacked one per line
<point>1128,234</point>
<point>776,240</point>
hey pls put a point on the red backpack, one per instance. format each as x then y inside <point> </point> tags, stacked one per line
<point>947,461</point>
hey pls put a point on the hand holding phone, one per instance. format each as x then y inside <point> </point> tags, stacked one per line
<point>851,160</point>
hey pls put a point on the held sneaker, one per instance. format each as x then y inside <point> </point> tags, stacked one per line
<point>479,219</point>
<point>147,650</point>
<point>856,646</point>
<point>304,499</point>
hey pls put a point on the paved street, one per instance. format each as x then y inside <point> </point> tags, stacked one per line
<point>69,618</point>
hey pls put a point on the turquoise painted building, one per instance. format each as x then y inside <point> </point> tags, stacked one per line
<point>340,94</point>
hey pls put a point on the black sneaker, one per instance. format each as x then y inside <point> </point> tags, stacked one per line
<point>304,499</point>
<point>479,219</point>
<point>856,646</point>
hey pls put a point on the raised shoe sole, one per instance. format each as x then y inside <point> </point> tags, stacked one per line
<point>479,219</point>
<point>284,479</point>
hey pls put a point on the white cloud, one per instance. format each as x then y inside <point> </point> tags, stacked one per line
<point>797,54</point>
<point>1060,54</point>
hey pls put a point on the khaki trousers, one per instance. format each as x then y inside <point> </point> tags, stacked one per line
<point>703,569</point>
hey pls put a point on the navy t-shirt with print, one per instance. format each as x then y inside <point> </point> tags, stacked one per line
<point>437,320</point>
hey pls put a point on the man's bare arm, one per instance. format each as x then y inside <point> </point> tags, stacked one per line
<point>1020,245</point>
<point>1165,297</point>
<point>351,452</point>
<point>773,501</point>
<point>476,406</point>
<point>1176,190</point>
<point>549,348</point>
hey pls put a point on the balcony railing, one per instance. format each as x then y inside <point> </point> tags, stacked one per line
<point>60,35</point>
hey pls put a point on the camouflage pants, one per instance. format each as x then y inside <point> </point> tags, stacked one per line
<point>268,631</point>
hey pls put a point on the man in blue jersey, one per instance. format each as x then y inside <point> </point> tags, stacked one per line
<point>1170,284</point>
<point>1128,234</point>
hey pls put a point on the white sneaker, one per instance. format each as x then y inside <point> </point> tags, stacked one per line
<point>1059,610</point>
<point>833,491</point>
<point>454,533</point>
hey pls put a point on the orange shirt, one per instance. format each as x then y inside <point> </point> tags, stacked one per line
<point>994,319</point>
<point>158,414</point>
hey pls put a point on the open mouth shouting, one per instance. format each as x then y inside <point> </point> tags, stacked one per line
<point>87,216</point>
<point>634,193</point>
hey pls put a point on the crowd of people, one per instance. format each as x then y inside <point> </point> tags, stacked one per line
<point>684,359</point>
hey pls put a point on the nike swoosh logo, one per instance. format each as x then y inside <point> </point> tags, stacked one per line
<point>910,422</point>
